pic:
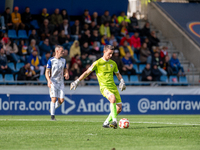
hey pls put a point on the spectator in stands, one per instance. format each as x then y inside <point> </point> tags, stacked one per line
<point>136,43</point>
<point>95,38</point>
<point>76,30</point>
<point>34,36</point>
<point>146,30</point>
<point>35,62</point>
<point>93,27</point>
<point>96,50</point>
<point>16,19</point>
<point>86,19</point>
<point>32,47</point>
<point>163,53</point>
<point>156,60</point>
<point>134,23</point>
<point>114,19</point>
<point>7,18</point>
<point>23,50</point>
<point>5,38</point>
<point>44,59</point>
<point>156,74</point>
<point>146,40</point>
<point>128,63</point>
<point>125,48</point>
<point>126,38</point>
<point>146,73</point>
<point>85,27</point>
<point>45,30</point>
<point>166,66</point>
<point>85,37</point>
<point>114,29</point>
<point>62,38</point>
<point>65,26</point>
<point>112,39</point>
<point>45,47</point>
<point>104,40</point>
<point>27,18</point>
<point>74,72</point>
<point>120,65</point>
<point>67,58</point>
<point>123,28</point>
<point>175,65</point>
<point>75,49</point>
<point>75,59</point>
<point>85,60</point>
<point>85,48</point>
<point>115,44</point>
<point>65,15</point>
<point>26,73</point>
<point>11,51</point>
<point>53,40</point>
<point>44,15</point>
<point>145,54</point>
<point>105,29</point>
<point>56,18</point>
<point>153,39</point>
<point>96,19</point>
<point>2,23</point>
<point>123,17</point>
<point>105,17</point>
<point>4,69</point>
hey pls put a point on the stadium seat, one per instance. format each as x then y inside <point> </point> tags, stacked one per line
<point>22,34</point>
<point>116,80</point>
<point>136,59</point>
<point>163,79</point>
<point>11,66</point>
<point>12,34</point>
<point>1,79</point>
<point>134,78</point>
<point>183,80</point>
<point>42,78</point>
<point>34,23</point>
<point>18,66</point>
<point>71,23</point>
<point>131,34</point>
<point>173,80</point>
<point>141,68</point>
<point>136,68</point>
<point>101,48</point>
<point>125,77</point>
<point>9,78</point>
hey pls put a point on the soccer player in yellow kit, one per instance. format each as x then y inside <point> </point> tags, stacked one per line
<point>104,68</point>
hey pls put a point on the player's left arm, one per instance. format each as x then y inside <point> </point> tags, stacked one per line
<point>122,85</point>
<point>66,73</point>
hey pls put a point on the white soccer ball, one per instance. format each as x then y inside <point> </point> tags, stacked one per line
<point>124,123</point>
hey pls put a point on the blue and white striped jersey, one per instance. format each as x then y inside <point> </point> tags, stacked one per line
<point>57,67</point>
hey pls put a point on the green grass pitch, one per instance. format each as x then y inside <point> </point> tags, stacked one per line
<point>146,132</point>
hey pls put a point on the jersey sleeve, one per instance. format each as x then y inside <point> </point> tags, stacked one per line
<point>93,66</point>
<point>116,70</point>
<point>49,64</point>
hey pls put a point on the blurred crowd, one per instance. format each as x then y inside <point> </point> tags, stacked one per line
<point>83,42</point>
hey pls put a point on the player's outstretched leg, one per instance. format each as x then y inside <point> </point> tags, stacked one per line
<point>106,124</point>
<point>113,109</point>
<point>53,100</point>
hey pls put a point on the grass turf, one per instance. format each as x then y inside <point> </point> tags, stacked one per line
<point>150,132</point>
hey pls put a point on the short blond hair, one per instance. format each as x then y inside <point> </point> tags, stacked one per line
<point>58,47</point>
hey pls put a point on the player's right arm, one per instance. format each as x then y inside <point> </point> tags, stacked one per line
<point>47,73</point>
<point>74,84</point>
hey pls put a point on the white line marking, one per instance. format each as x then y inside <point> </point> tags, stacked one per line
<point>167,123</point>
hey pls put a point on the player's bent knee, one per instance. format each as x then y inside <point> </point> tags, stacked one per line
<point>119,109</point>
<point>61,100</point>
<point>112,98</point>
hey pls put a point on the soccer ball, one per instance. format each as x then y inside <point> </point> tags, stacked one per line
<point>124,123</point>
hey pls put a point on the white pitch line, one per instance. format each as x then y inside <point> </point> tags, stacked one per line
<point>167,123</point>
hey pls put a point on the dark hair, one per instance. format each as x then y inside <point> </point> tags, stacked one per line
<point>106,47</point>
<point>27,7</point>
<point>86,10</point>
<point>7,8</point>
